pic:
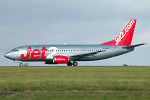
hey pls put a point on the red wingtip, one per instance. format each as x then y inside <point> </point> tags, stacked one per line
<point>125,36</point>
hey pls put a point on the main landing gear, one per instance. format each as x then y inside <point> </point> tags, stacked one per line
<point>74,63</point>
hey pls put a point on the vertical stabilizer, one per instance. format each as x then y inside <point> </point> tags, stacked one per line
<point>125,36</point>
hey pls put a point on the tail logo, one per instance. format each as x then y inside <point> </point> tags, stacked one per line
<point>123,33</point>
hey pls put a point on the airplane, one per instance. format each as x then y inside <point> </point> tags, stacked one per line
<point>70,54</point>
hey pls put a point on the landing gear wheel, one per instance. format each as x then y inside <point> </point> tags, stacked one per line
<point>75,64</point>
<point>21,64</point>
<point>69,64</point>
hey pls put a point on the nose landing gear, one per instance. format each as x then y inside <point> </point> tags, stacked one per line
<point>21,64</point>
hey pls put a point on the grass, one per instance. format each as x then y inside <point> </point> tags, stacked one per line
<point>91,78</point>
<point>78,96</point>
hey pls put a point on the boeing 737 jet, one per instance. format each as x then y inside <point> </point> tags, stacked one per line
<point>70,54</point>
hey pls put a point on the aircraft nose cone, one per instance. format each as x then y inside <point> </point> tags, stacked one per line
<point>7,55</point>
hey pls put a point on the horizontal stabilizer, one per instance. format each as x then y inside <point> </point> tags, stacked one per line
<point>132,46</point>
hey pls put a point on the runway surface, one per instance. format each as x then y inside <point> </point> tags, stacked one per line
<point>11,93</point>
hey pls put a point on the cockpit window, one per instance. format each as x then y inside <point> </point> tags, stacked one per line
<point>14,50</point>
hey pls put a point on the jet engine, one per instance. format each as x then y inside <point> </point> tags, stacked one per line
<point>58,59</point>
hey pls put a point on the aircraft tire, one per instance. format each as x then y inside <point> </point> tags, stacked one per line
<point>75,64</point>
<point>21,64</point>
<point>69,64</point>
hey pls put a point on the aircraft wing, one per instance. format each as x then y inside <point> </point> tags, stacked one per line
<point>80,56</point>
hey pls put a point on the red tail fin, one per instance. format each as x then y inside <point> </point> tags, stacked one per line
<point>125,36</point>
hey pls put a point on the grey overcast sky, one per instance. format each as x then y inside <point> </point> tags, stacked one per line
<point>25,22</point>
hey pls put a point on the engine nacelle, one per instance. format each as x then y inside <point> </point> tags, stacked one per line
<point>60,59</point>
